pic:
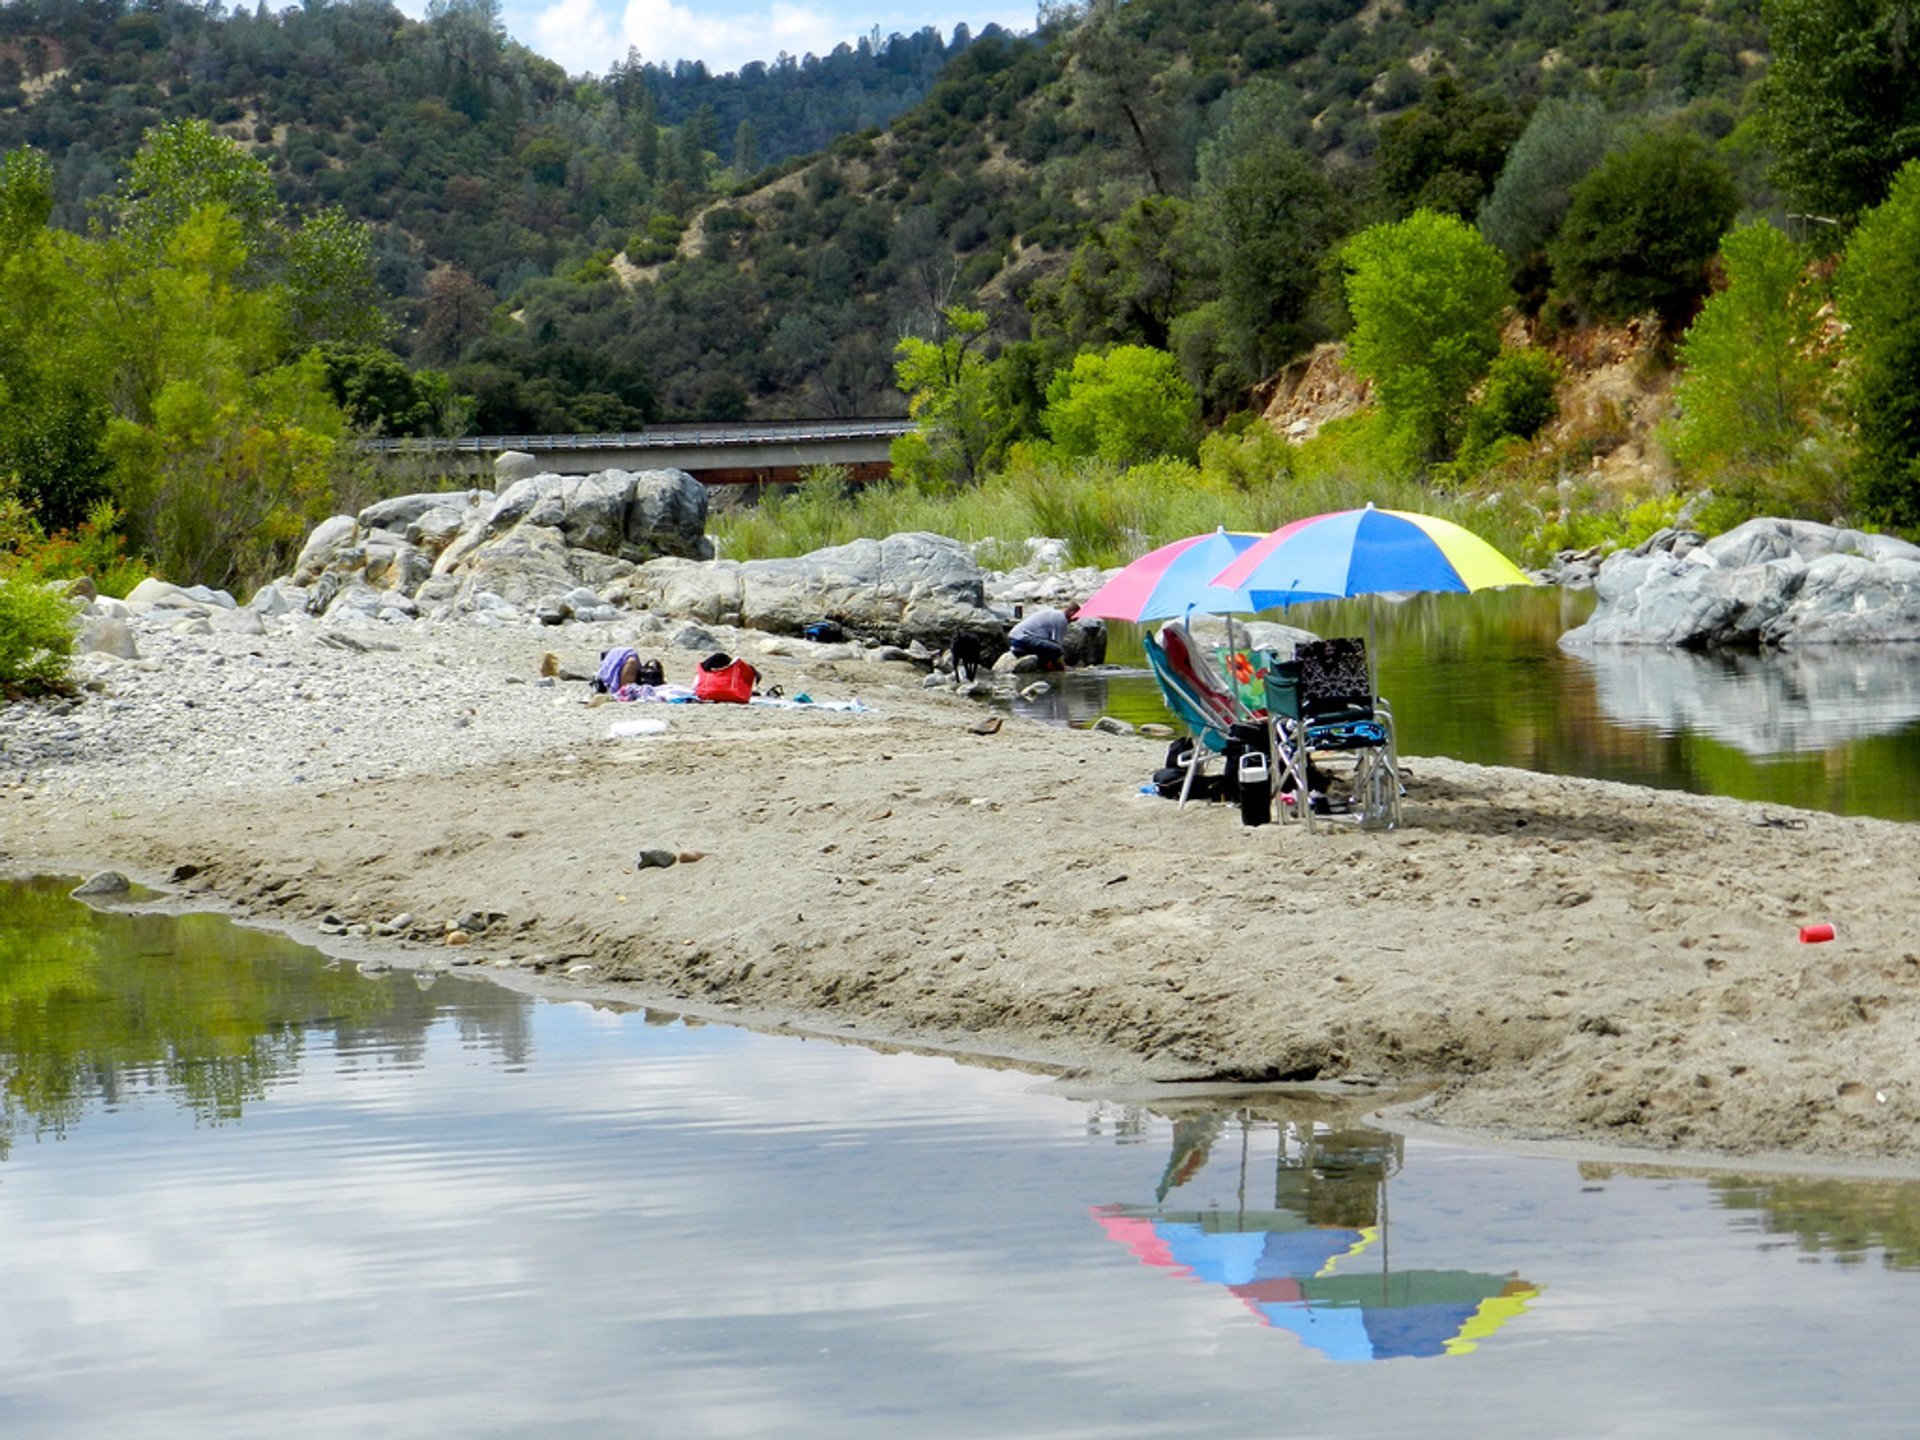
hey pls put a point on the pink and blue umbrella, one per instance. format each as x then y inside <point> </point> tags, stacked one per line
<point>1302,1278</point>
<point>1174,579</point>
<point>1364,552</point>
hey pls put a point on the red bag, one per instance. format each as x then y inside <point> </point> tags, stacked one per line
<point>729,682</point>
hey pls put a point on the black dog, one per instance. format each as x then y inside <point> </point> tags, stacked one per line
<point>965,654</point>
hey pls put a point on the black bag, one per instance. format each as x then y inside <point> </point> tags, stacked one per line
<point>651,672</point>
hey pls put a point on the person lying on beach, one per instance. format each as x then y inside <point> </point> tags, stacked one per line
<point>625,676</point>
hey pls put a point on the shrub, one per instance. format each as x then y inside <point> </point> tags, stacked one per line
<point>36,638</point>
<point>1517,402</point>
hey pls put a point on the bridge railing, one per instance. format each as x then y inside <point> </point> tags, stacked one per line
<point>654,437</point>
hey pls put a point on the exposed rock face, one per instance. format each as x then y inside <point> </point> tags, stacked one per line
<point>546,545</point>
<point>1768,582</point>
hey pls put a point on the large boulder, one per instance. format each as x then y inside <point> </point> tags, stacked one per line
<point>1767,582</point>
<point>904,588</point>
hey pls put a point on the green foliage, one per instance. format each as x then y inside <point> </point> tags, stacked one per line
<point>1516,403</point>
<point>26,197</point>
<point>1267,215</point>
<point>1753,377</point>
<point>332,296</point>
<point>1643,225</point>
<point>1427,294</point>
<point>183,167</point>
<point>1125,406</point>
<point>1129,280</point>
<point>1563,141</point>
<point>1842,98</point>
<point>1587,521</point>
<point>381,396</point>
<point>1879,289</point>
<point>36,637</point>
<point>1446,152</point>
<point>945,383</point>
<point>93,548</point>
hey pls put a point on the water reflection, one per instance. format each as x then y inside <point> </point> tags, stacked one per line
<point>1314,1258</point>
<point>1782,703</point>
<point>462,1212</point>
<point>99,1006</point>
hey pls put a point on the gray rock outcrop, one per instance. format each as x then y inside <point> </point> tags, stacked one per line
<point>1765,583</point>
<point>904,588</point>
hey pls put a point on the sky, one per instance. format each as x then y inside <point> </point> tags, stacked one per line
<point>590,35</point>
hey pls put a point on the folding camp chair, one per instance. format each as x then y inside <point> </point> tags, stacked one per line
<point>1320,705</point>
<point>1198,697</point>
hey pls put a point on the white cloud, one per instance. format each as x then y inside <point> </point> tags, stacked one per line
<point>584,35</point>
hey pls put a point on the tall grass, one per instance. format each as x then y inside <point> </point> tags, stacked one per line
<point>1110,514</point>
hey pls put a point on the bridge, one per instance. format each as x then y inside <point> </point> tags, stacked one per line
<point>757,453</point>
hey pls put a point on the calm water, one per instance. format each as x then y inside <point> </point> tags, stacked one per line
<point>1482,678</point>
<point>243,1193</point>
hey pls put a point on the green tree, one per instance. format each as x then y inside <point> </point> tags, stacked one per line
<point>52,408</point>
<point>1268,215</point>
<point>182,167</point>
<point>382,396</point>
<point>1427,294</point>
<point>221,447</point>
<point>1446,152</point>
<point>948,393</point>
<point>1563,141</point>
<point>332,296</point>
<point>1129,280</point>
<point>1125,406</point>
<point>1752,378</point>
<point>1642,227</point>
<point>1879,289</point>
<point>1842,98</point>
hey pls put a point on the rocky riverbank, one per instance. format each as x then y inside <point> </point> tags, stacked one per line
<point>1555,957</point>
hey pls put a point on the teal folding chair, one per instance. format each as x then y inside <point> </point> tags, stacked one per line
<point>1196,695</point>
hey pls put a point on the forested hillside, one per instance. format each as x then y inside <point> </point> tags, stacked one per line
<point>498,186</point>
<point>1075,256</point>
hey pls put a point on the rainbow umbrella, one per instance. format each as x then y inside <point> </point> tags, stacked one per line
<point>1364,552</point>
<point>1176,578</point>
<point>1301,1278</point>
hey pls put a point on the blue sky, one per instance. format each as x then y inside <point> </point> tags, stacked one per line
<point>589,35</point>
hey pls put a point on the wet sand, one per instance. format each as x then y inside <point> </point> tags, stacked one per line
<point>1547,958</point>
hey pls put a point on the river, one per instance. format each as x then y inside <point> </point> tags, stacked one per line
<point>245,1190</point>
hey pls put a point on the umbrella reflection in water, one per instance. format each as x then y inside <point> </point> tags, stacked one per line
<point>1316,1263</point>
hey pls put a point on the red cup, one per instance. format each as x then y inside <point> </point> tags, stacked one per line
<point>1814,934</point>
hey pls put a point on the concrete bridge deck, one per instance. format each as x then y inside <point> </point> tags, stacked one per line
<point>761,452</point>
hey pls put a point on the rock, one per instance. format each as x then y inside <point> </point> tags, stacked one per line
<point>105,882</point>
<point>329,537</point>
<point>1107,725</point>
<point>656,859</point>
<point>107,636</point>
<point>458,937</point>
<point>896,590</point>
<point>510,466</point>
<point>1036,690</point>
<point>1767,582</point>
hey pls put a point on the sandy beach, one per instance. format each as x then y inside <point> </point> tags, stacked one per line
<point>1547,958</point>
